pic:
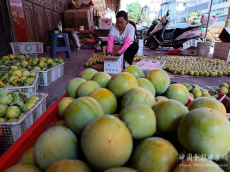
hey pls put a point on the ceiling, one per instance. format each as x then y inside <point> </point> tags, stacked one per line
<point>101,5</point>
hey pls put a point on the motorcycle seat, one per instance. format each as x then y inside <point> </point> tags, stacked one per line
<point>179,31</point>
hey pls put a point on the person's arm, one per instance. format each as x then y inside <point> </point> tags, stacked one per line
<point>127,41</point>
<point>110,43</point>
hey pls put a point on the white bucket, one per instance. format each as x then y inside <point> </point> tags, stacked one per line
<point>203,48</point>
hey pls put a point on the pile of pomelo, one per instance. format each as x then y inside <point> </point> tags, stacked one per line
<point>131,123</point>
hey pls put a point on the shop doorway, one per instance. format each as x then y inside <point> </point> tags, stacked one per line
<point>6,34</point>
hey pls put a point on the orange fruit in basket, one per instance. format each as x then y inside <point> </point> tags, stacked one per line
<point>67,165</point>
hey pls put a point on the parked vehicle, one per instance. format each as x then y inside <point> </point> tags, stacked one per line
<point>163,37</point>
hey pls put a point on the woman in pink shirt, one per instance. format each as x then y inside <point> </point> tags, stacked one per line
<point>123,33</point>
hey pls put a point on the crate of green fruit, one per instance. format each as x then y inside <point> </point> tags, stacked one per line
<point>15,79</point>
<point>51,75</point>
<point>18,111</point>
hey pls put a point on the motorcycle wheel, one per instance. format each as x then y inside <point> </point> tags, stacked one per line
<point>145,43</point>
<point>152,44</point>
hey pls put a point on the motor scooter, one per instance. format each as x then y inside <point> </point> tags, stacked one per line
<point>175,38</point>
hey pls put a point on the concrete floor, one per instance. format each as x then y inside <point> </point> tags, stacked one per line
<point>72,70</point>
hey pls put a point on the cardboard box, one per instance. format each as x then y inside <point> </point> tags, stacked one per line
<point>190,52</point>
<point>217,48</point>
<point>190,44</point>
<point>82,18</point>
<point>106,23</point>
<point>224,53</point>
<point>113,64</point>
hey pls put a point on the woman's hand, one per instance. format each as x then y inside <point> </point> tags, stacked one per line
<point>117,54</point>
<point>109,54</point>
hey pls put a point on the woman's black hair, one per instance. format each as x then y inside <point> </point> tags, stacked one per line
<point>122,14</point>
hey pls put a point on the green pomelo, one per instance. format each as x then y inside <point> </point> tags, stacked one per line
<point>81,112</point>
<point>205,131</point>
<point>86,87</point>
<point>160,80</point>
<point>63,104</point>
<point>108,137</point>
<point>138,96</point>
<point>88,74</point>
<point>135,71</point>
<point>145,83</point>
<point>102,79</point>
<point>140,120</point>
<point>178,92</point>
<point>106,98</point>
<point>73,85</point>
<point>60,143</point>
<point>121,83</point>
<point>169,114</point>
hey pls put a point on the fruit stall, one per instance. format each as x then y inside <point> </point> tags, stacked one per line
<point>151,120</point>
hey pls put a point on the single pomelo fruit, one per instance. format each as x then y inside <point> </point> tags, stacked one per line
<point>160,80</point>
<point>159,99</point>
<point>120,83</point>
<point>135,71</point>
<point>205,131</point>
<point>60,123</point>
<point>108,137</point>
<point>196,164</point>
<point>138,96</point>
<point>67,165</point>
<point>209,103</point>
<point>120,169</point>
<point>63,104</point>
<point>145,83</point>
<point>28,157</point>
<point>85,88</point>
<point>178,92</point>
<point>23,168</point>
<point>169,114</point>
<point>155,155</point>
<point>88,74</point>
<point>196,93</point>
<point>60,143</point>
<point>140,120</point>
<point>102,79</point>
<point>106,98</point>
<point>73,85</point>
<point>81,112</point>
